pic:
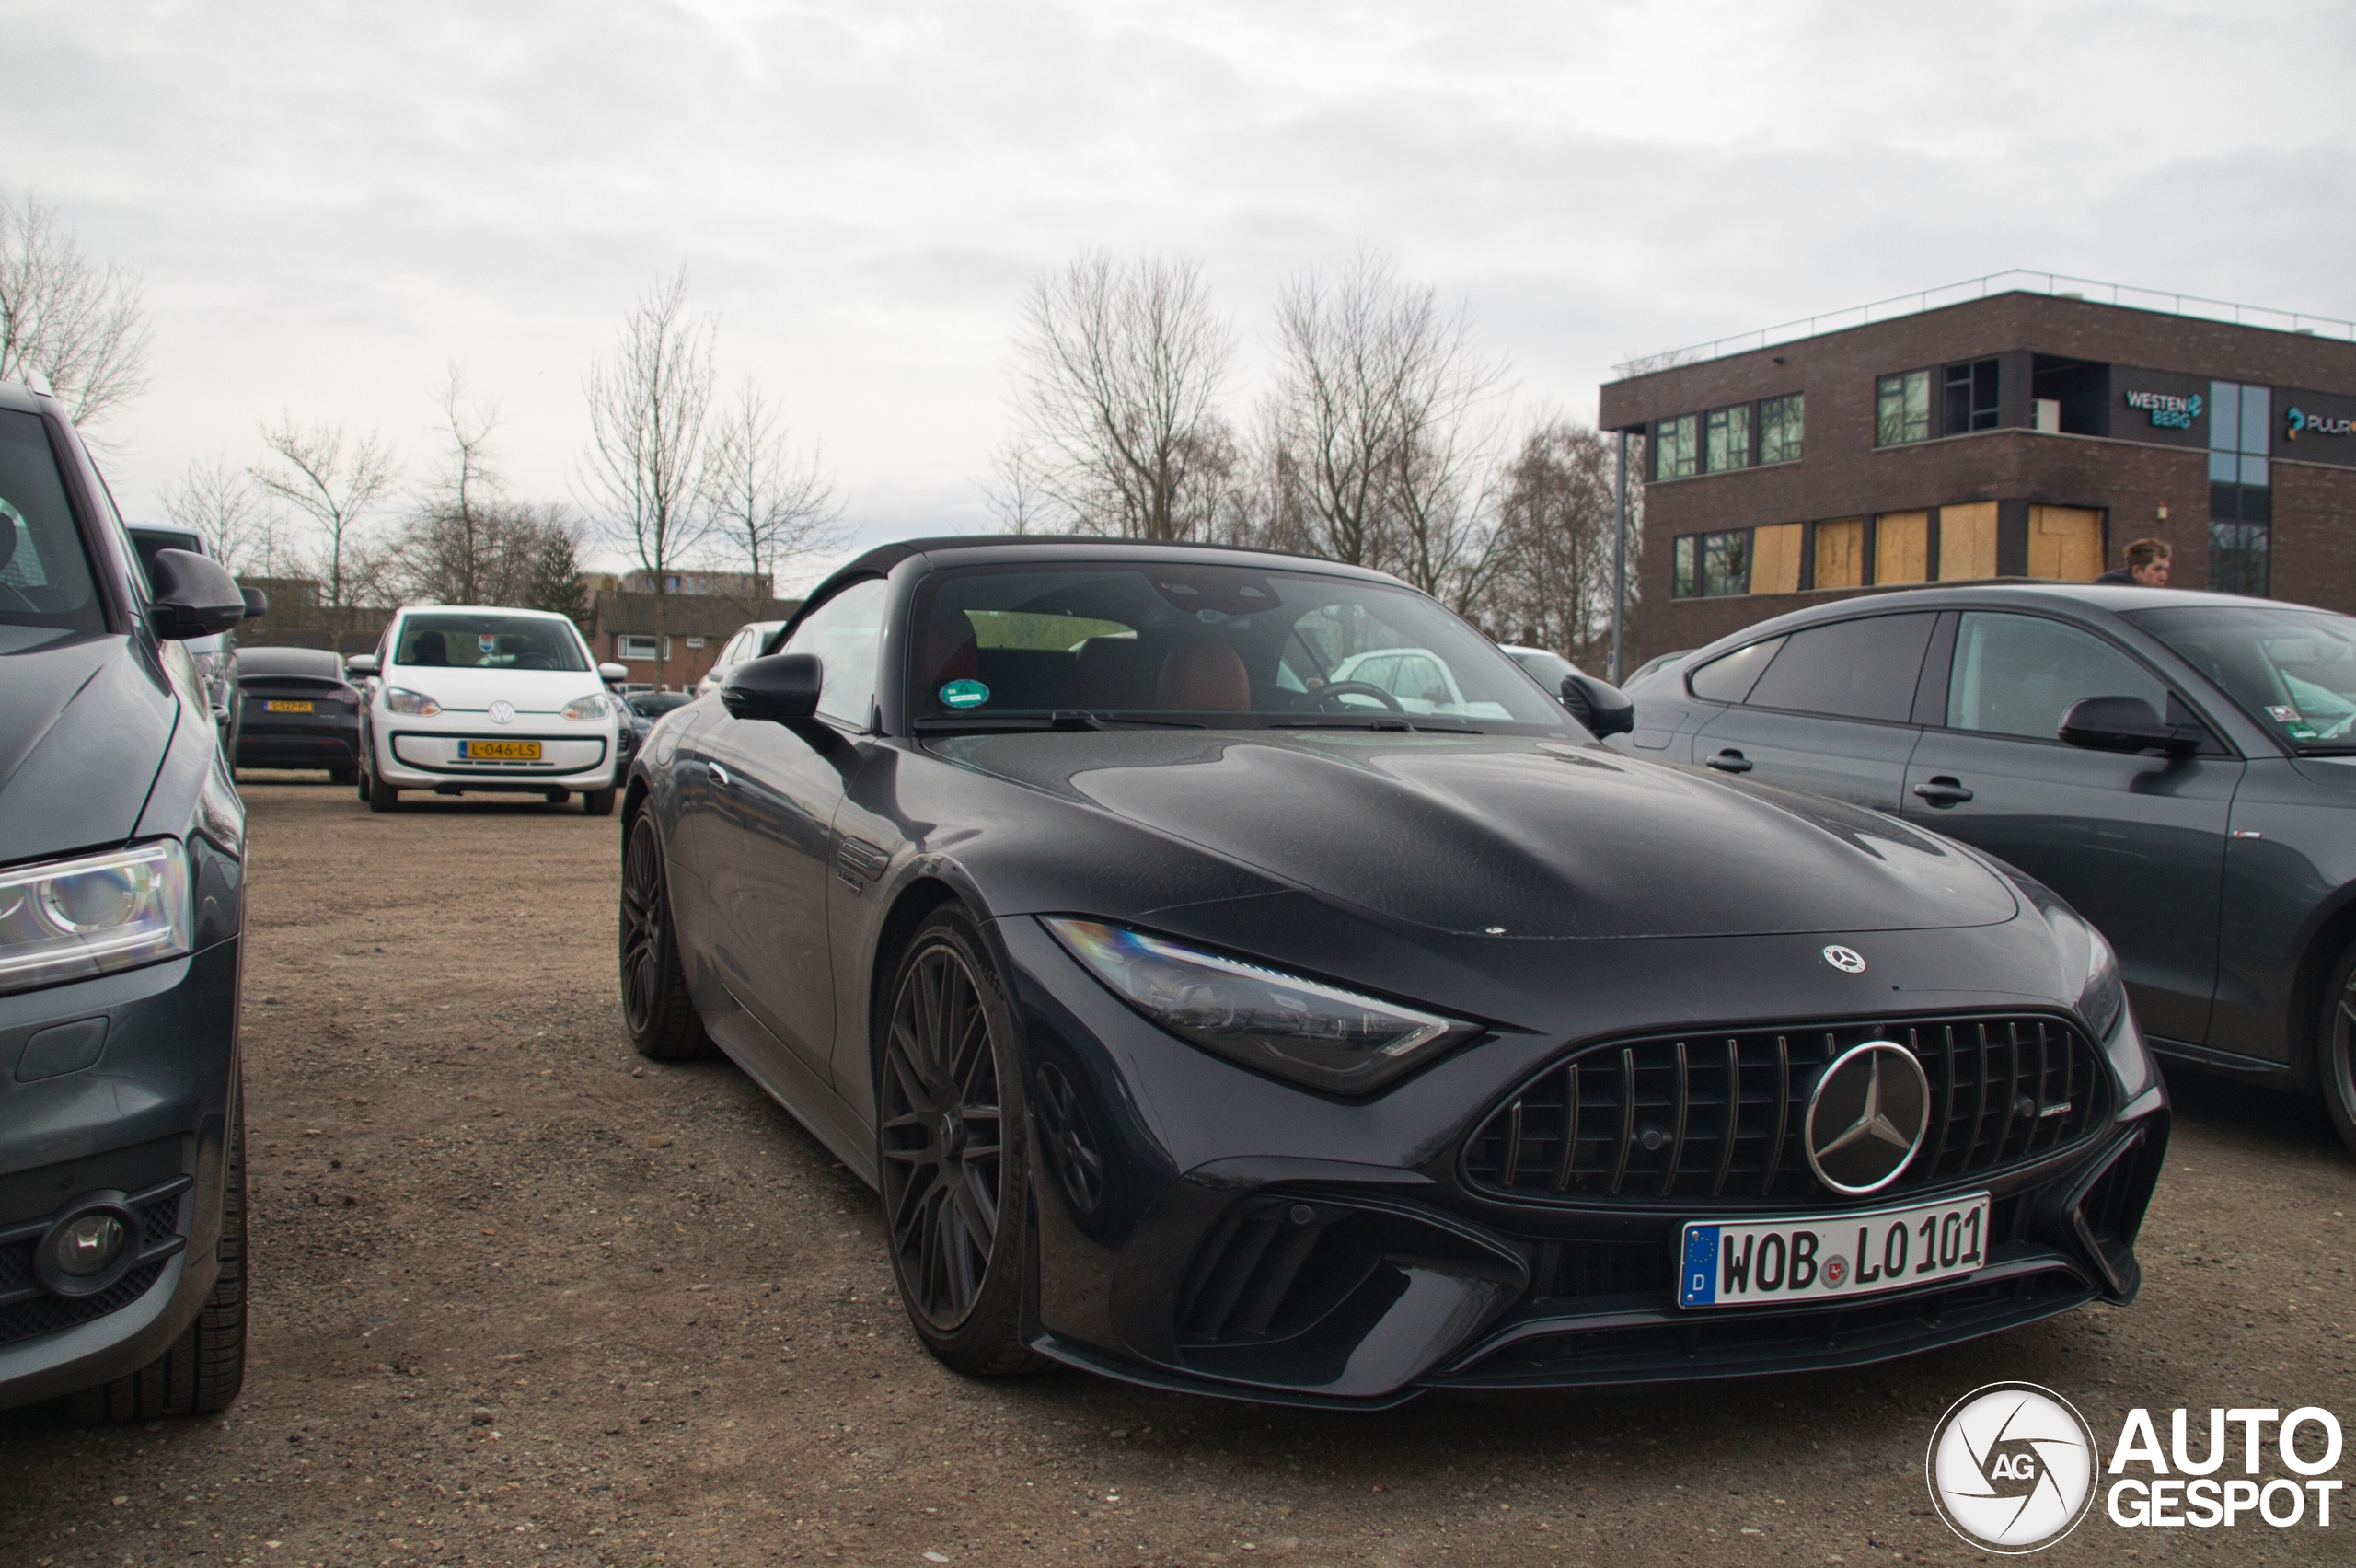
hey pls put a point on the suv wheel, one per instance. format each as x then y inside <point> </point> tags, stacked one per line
<point>2336,1051</point>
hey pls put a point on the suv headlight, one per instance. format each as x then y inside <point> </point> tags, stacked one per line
<point>401,699</point>
<point>1297,1029</point>
<point>71,919</point>
<point>592,706</point>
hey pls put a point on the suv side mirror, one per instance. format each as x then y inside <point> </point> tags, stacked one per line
<point>361,664</point>
<point>256,603</point>
<point>194,596</point>
<point>2125,724</point>
<point>611,674</point>
<point>1604,707</point>
<point>783,687</point>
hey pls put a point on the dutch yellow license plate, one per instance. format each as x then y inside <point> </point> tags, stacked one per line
<point>498,750</point>
<point>274,706</point>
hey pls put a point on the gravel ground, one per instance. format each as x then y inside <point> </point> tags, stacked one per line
<point>520,1299</point>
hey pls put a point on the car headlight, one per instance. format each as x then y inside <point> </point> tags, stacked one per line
<point>1280,1023</point>
<point>2091,965</point>
<point>592,706</point>
<point>401,699</point>
<point>70,919</point>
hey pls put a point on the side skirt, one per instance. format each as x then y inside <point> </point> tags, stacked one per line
<point>766,1060</point>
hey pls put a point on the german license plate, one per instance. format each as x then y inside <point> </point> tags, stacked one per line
<point>1817,1256</point>
<point>276,706</point>
<point>498,750</point>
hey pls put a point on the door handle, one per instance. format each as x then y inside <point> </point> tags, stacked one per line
<point>1942,791</point>
<point>1729,761</point>
<point>719,775</point>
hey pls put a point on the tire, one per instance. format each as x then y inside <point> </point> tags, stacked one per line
<point>956,1203</point>
<point>2336,1049</point>
<point>202,1371</point>
<point>382,797</point>
<point>597,802</point>
<point>656,1005</point>
<point>347,774</point>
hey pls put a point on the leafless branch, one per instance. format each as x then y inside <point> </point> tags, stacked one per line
<point>80,329</point>
<point>335,482</point>
<point>768,503</point>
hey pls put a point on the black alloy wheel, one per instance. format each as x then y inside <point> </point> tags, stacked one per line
<point>951,1145</point>
<point>2336,1051</point>
<point>656,1005</point>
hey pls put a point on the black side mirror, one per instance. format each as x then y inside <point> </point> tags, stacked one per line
<point>1604,707</point>
<point>194,596</point>
<point>256,603</point>
<point>2125,724</point>
<point>782,688</point>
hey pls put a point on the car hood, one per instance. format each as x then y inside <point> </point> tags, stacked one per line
<point>83,727</point>
<point>1510,836</point>
<point>464,690</point>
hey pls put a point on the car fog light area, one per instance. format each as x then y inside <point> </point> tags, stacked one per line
<point>74,919</point>
<point>1280,1023</point>
<point>88,1245</point>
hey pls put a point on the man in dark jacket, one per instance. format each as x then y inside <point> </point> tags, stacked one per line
<point>2147,566</point>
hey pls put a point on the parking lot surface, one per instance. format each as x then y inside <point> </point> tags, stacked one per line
<point>522,1299</point>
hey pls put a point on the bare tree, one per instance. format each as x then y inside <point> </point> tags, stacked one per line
<point>649,410</point>
<point>553,576</point>
<point>228,511</point>
<point>1015,490</point>
<point>453,549</point>
<point>768,503</point>
<point>1121,367</point>
<point>80,328</point>
<point>1552,586</point>
<point>335,482</point>
<point>1448,406</point>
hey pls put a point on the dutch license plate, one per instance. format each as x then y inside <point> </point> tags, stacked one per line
<point>1824,1255</point>
<point>498,750</point>
<point>276,706</point>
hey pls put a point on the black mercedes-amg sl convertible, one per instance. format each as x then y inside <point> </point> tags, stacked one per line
<point>1235,974</point>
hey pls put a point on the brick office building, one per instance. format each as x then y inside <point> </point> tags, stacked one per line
<point>2012,433</point>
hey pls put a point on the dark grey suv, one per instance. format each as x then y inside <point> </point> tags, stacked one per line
<point>2181,768</point>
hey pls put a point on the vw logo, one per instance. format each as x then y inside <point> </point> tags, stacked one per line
<point>1848,961</point>
<point>1867,1117</point>
<point>2012,1467</point>
<point>503,712</point>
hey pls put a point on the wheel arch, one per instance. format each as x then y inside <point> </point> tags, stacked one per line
<point>2319,956</point>
<point>909,907</point>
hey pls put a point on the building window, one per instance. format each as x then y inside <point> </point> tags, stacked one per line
<point>1902,408</point>
<point>636,648</point>
<point>1780,422</point>
<point>1711,565</point>
<point>1727,441</point>
<point>2241,499</point>
<point>1674,444</point>
<point>1903,547</point>
<point>1968,399</point>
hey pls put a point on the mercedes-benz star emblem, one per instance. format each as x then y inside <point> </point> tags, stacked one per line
<point>505,713</point>
<point>1867,1117</point>
<point>1848,961</point>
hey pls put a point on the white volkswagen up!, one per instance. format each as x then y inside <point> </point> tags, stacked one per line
<point>473,697</point>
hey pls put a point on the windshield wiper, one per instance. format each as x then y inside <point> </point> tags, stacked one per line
<point>1021,724</point>
<point>1387,725</point>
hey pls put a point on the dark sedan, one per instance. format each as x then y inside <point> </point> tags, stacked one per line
<point>122,907</point>
<point>2181,768</point>
<point>299,712</point>
<point>1209,1020</point>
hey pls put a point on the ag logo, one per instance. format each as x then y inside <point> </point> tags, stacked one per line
<point>2012,1467</point>
<point>1848,961</point>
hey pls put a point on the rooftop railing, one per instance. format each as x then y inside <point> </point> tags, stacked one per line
<point>2016,281</point>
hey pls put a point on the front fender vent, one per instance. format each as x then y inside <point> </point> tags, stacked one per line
<point>1718,1117</point>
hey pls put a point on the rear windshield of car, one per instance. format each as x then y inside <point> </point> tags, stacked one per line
<point>46,589</point>
<point>1211,645</point>
<point>487,643</point>
<point>2292,670</point>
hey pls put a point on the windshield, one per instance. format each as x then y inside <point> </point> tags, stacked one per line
<point>1207,646</point>
<point>46,590</point>
<point>488,642</point>
<point>2292,670</point>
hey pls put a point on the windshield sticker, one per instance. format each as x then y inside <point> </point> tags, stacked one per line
<point>2300,730</point>
<point>2284,715</point>
<point>487,643</point>
<point>964,694</point>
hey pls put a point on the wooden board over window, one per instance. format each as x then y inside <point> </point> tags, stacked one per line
<point>1841,553</point>
<point>1903,547</point>
<point>2066,543</point>
<point>1775,558</point>
<point>1967,542</point>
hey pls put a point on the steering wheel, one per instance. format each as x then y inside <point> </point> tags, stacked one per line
<point>1360,688</point>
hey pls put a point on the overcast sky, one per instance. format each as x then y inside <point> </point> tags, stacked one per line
<point>330,203</point>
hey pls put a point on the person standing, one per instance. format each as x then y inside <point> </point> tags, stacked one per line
<point>2146,565</point>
